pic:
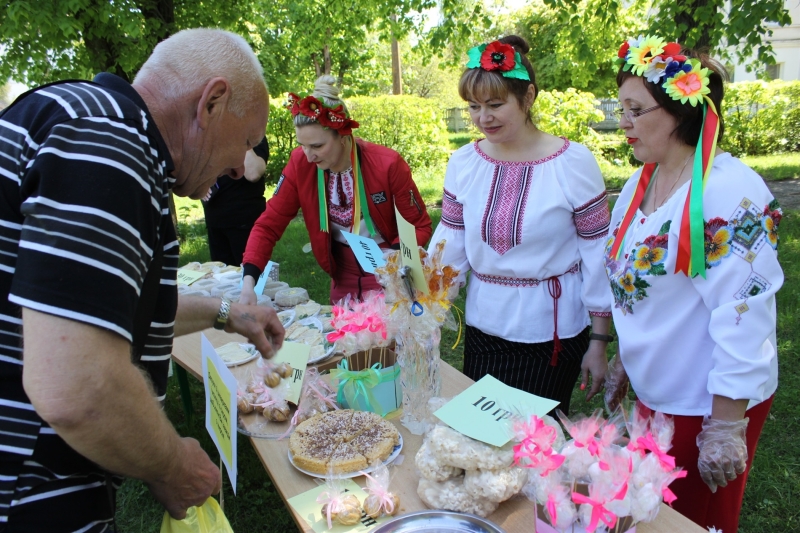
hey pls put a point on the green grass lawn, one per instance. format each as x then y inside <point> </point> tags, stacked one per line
<point>770,501</point>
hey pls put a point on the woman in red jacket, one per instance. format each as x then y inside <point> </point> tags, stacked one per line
<point>342,184</point>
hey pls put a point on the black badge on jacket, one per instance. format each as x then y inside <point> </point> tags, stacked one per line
<point>378,197</point>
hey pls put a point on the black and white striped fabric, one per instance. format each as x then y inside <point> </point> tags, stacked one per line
<point>84,185</point>
<point>526,366</point>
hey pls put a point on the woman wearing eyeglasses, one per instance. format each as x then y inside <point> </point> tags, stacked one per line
<point>692,262</point>
<point>527,213</point>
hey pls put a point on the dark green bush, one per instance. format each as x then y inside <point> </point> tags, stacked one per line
<point>280,134</point>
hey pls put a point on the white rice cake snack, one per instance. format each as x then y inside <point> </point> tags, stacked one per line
<point>430,469</point>
<point>495,485</point>
<point>452,496</point>
<point>452,448</point>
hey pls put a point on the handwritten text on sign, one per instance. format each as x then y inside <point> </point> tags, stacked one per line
<point>220,387</point>
<point>295,355</point>
<point>409,251</point>
<point>483,410</point>
<point>187,277</point>
<point>366,250</point>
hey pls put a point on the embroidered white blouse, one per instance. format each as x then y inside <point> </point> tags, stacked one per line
<point>684,339</point>
<point>515,226</point>
<point>340,211</point>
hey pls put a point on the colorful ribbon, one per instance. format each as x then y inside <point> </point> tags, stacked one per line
<point>353,384</point>
<point>360,207</point>
<point>599,512</point>
<point>649,443</point>
<point>669,496</point>
<point>334,504</point>
<point>375,488</point>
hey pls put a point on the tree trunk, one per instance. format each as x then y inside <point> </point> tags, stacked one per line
<point>687,15</point>
<point>397,75</point>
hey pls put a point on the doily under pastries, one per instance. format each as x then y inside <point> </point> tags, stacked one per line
<point>291,297</point>
<point>453,496</point>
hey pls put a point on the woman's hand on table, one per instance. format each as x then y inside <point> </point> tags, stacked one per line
<point>259,324</point>
<point>617,384</point>
<point>596,364</point>
<point>248,296</point>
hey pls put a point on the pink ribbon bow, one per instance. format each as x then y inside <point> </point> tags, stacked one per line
<point>384,496</point>
<point>334,504</point>
<point>599,512</point>
<point>669,496</point>
<point>551,509</point>
<point>649,443</point>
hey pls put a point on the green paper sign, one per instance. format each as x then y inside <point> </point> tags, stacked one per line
<point>296,355</point>
<point>187,277</point>
<point>220,387</point>
<point>483,411</point>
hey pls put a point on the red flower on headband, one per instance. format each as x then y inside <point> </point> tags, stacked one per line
<point>623,50</point>
<point>336,119</point>
<point>671,50</point>
<point>310,107</point>
<point>498,56</point>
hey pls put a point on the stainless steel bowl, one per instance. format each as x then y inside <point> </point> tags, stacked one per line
<point>438,522</point>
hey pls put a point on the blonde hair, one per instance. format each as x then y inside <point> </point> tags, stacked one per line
<point>325,90</point>
<point>188,60</point>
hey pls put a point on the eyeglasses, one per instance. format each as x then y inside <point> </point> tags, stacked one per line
<point>631,116</point>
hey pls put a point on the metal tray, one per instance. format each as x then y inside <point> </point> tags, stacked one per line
<point>438,522</point>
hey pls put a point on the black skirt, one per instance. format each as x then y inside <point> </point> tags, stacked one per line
<point>527,366</point>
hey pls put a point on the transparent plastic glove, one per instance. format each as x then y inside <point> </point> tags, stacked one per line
<point>617,384</point>
<point>723,451</point>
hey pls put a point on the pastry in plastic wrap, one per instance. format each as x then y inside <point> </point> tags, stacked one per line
<point>495,485</point>
<point>272,287</point>
<point>291,297</point>
<point>449,447</point>
<point>430,469</point>
<point>452,496</point>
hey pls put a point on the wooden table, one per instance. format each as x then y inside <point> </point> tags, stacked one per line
<point>515,516</point>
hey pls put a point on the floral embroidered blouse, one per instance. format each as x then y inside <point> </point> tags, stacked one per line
<point>684,339</point>
<point>518,225</point>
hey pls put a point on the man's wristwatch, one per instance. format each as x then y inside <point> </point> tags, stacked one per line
<point>601,337</point>
<point>222,316</point>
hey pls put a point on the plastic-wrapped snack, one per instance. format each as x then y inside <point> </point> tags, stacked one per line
<point>221,288</point>
<point>452,495</point>
<point>271,288</point>
<point>450,447</point>
<point>337,505</point>
<point>245,401</point>
<point>263,300</point>
<point>495,485</point>
<point>291,297</point>
<point>430,469</point>
<point>205,285</point>
<point>278,408</point>
<point>379,500</point>
<point>316,397</point>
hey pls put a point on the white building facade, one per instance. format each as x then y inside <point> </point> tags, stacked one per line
<point>786,45</point>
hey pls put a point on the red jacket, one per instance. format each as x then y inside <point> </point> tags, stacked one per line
<point>387,180</point>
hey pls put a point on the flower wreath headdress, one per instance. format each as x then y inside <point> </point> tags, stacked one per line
<point>334,118</point>
<point>500,57</point>
<point>686,81</point>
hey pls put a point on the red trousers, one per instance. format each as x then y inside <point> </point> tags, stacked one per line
<point>695,500</point>
<point>350,277</point>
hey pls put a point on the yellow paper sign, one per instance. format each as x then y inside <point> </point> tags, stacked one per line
<point>220,387</point>
<point>484,410</point>
<point>306,505</point>
<point>409,251</point>
<point>187,277</point>
<point>296,355</point>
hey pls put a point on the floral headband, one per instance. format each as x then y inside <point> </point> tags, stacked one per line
<point>661,63</point>
<point>498,56</point>
<point>684,80</point>
<point>334,118</point>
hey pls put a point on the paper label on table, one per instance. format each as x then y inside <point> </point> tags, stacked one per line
<point>220,387</point>
<point>296,355</point>
<point>262,279</point>
<point>306,505</point>
<point>409,251</point>
<point>483,411</point>
<point>366,250</point>
<point>187,277</point>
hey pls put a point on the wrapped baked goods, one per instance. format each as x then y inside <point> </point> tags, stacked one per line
<point>271,288</point>
<point>453,496</point>
<point>431,469</point>
<point>337,505</point>
<point>452,448</point>
<point>379,500</point>
<point>221,288</point>
<point>495,485</point>
<point>291,297</point>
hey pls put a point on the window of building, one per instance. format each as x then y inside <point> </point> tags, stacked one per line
<point>773,72</point>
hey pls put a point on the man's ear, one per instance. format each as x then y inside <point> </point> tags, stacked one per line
<point>213,101</point>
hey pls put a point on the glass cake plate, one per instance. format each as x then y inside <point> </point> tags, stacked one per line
<point>389,460</point>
